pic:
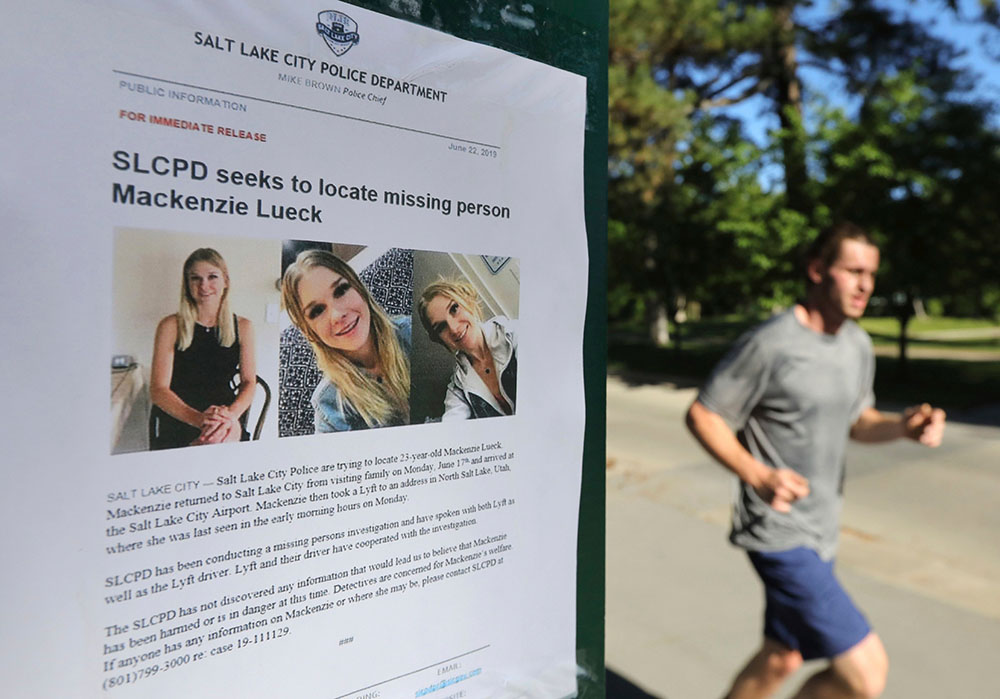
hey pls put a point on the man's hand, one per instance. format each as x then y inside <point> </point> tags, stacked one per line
<point>924,424</point>
<point>781,487</point>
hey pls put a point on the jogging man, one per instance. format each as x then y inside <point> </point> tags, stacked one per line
<point>777,412</point>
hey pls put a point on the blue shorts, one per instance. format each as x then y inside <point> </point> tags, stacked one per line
<point>807,609</point>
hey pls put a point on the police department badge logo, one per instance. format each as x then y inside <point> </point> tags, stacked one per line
<point>339,31</point>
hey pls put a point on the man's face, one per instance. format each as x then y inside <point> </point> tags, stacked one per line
<point>848,283</point>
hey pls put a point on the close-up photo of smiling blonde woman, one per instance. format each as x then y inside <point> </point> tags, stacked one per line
<point>466,348</point>
<point>484,380</point>
<point>362,352</point>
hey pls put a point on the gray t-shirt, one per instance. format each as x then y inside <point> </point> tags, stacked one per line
<point>791,395</point>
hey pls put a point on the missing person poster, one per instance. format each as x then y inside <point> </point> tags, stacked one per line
<point>330,268</point>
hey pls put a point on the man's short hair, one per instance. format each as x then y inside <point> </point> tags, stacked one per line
<point>826,246</point>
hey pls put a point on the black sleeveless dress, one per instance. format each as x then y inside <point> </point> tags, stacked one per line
<point>202,376</point>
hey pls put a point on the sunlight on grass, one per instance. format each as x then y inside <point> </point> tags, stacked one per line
<point>922,325</point>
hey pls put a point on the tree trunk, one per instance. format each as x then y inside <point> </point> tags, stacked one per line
<point>659,323</point>
<point>905,313</point>
<point>680,317</point>
<point>789,106</point>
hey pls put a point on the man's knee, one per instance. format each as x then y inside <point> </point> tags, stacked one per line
<point>781,661</point>
<point>864,667</point>
<point>870,685</point>
<point>872,681</point>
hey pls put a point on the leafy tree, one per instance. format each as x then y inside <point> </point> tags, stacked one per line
<point>914,168</point>
<point>694,217</point>
<point>682,181</point>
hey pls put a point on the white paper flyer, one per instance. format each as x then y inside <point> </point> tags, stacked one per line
<point>308,249</point>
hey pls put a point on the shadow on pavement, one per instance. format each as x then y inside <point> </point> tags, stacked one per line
<point>988,415</point>
<point>635,378</point>
<point>620,688</point>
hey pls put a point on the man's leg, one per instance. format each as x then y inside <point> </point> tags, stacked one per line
<point>765,671</point>
<point>857,673</point>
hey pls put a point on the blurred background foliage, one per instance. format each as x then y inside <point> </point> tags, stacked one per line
<point>738,129</point>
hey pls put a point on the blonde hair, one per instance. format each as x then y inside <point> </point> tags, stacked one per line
<point>187,315</point>
<point>457,290</point>
<point>376,402</point>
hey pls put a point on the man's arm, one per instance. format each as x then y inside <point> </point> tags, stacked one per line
<point>778,487</point>
<point>921,423</point>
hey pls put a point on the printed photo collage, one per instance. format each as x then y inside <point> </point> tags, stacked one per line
<point>221,339</point>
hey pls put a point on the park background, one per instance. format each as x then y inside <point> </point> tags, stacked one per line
<point>737,130</point>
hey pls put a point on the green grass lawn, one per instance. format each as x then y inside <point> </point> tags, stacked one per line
<point>885,331</point>
<point>921,325</point>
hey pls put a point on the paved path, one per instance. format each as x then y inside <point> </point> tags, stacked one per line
<point>919,553</point>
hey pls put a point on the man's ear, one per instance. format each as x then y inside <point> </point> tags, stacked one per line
<point>815,270</point>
